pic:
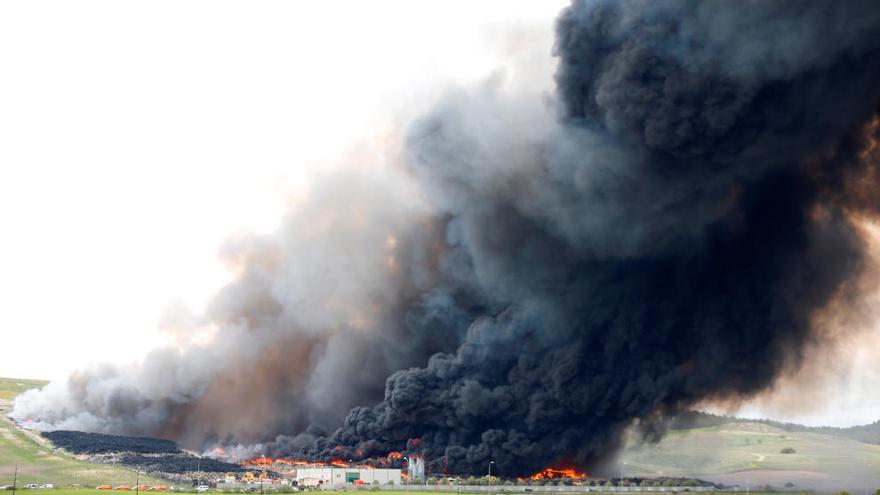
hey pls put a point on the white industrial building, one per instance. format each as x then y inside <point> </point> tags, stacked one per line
<point>318,476</point>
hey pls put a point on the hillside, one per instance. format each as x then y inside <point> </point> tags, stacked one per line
<point>869,433</point>
<point>749,453</point>
<point>38,462</point>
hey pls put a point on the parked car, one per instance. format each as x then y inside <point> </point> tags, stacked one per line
<point>31,485</point>
<point>203,488</point>
<point>47,485</point>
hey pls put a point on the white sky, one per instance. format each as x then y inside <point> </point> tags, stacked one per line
<point>136,136</point>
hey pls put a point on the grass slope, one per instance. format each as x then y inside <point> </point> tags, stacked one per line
<point>38,462</point>
<point>10,387</point>
<point>753,447</point>
<point>869,433</point>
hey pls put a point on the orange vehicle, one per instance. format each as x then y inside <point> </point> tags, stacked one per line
<point>104,487</point>
<point>124,488</point>
<point>158,488</point>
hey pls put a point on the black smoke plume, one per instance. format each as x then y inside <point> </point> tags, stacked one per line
<point>661,231</point>
<point>668,243</point>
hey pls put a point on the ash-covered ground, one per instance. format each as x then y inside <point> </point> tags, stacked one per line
<point>145,453</point>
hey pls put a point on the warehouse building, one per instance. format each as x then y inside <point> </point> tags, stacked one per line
<point>319,476</point>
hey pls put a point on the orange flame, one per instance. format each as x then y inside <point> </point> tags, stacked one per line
<point>259,461</point>
<point>554,473</point>
<point>394,455</point>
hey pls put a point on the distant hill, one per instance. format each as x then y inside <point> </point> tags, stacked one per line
<point>869,433</point>
<point>10,387</point>
<point>748,453</point>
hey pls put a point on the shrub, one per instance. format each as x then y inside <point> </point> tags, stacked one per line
<point>788,450</point>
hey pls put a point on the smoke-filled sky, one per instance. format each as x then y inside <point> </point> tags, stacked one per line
<point>536,226</point>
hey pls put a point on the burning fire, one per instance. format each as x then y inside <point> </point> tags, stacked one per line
<point>263,462</point>
<point>259,461</point>
<point>553,473</point>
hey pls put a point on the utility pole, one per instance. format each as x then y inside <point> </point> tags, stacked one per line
<point>490,468</point>
<point>14,479</point>
<point>137,482</point>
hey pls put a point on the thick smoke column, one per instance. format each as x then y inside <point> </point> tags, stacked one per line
<point>668,242</point>
<point>543,274</point>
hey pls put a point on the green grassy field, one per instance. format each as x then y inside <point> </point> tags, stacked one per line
<point>752,452</point>
<point>738,447</point>
<point>10,387</point>
<point>38,463</point>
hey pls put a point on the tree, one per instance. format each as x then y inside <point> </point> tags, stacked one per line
<point>645,483</point>
<point>788,450</point>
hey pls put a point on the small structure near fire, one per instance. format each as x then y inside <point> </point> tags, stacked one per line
<point>329,475</point>
<point>415,468</point>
